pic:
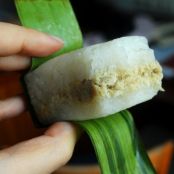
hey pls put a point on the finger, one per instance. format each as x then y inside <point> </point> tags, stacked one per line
<point>16,39</point>
<point>11,107</point>
<point>13,63</point>
<point>41,155</point>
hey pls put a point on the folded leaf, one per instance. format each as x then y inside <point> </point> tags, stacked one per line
<point>117,145</point>
<point>55,17</point>
<point>114,137</point>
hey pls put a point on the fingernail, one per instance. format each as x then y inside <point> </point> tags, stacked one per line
<point>59,128</point>
<point>55,38</point>
<point>65,126</point>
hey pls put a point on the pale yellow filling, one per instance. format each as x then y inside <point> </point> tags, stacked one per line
<point>116,82</point>
<point>112,82</point>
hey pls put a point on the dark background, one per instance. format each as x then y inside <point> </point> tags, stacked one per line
<point>102,22</point>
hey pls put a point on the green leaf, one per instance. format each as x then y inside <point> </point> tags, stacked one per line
<point>117,145</point>
<point>114,137</point>
<point>55,17</point>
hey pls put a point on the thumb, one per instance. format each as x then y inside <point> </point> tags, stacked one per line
<point>41,155</point>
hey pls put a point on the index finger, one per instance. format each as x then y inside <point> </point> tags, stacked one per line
<point>15,39</point>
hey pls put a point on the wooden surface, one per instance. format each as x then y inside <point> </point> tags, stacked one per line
<point>93,169</point>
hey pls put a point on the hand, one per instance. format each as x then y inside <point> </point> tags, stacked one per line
<point>44,154</point>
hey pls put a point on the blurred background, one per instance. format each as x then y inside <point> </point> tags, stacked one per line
<point>103,20</point>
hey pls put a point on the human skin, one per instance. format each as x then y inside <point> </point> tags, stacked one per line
<point>44,154</point>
